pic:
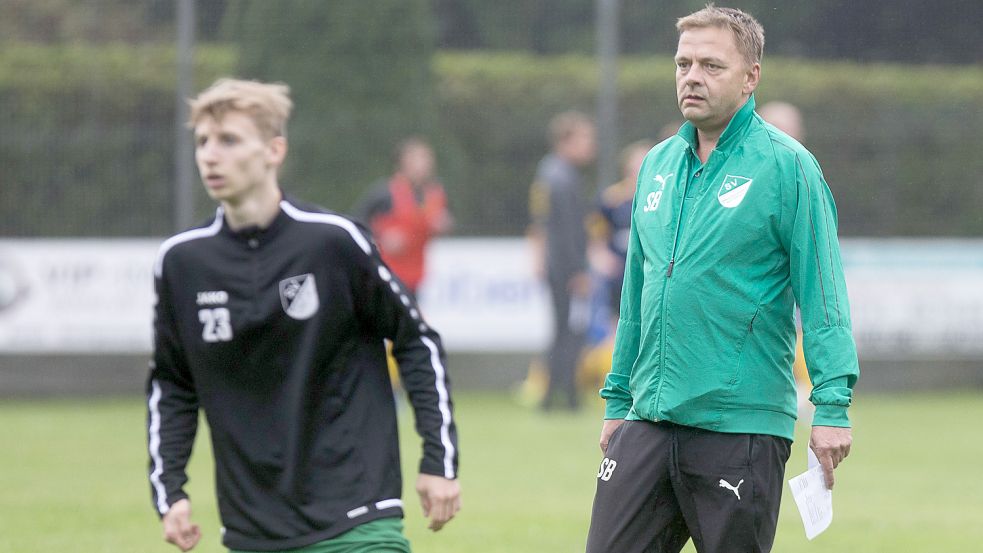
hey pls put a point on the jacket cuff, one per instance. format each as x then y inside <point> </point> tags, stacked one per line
<point>831,415</point>
<point>615,409</point>
<point>171,500</point>
<point>615,391</point>
<point>436,469</point>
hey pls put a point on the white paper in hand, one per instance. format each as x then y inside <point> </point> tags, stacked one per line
<point>814,500</point>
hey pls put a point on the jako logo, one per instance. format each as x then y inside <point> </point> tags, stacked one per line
<point>213,297</point>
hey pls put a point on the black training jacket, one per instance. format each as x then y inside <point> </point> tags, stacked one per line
<point>278,335</point>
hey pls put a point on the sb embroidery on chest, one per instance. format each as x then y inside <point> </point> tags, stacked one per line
<point>298,295</point>
<point>655,197</point>
<point>733,190</point>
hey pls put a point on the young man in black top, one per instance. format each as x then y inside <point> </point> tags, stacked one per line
<point>272,319</point>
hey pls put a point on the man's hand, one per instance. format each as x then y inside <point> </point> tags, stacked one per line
<point>610,425</point>
<point>831,445</point>
<point>440,497</point>
<point>178,528</point>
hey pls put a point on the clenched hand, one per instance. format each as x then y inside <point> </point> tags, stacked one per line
<point>178,528</point>
<point>440,498</point>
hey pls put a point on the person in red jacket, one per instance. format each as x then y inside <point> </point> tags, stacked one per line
<point>407,210</point>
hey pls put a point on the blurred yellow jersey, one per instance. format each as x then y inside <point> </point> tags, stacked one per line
<point>799,368</point>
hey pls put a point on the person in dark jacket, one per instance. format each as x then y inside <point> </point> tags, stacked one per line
<point>558,238</point>
<point>272,319</point>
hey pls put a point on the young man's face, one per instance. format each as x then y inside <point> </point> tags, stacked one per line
<point>712,78</point>
<point>233,157</point>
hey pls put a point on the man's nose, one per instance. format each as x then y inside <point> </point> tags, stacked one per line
<point>694,75</point>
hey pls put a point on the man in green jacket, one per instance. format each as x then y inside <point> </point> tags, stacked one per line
<point>732,225</point>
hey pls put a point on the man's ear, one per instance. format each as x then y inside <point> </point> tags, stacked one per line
<point>752,78</point>
<point>276,150</point>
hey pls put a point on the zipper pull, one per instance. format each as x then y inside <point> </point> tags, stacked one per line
<point>671,263</point>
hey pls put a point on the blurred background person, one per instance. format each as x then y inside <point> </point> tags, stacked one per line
<point>608,225</point>
<point>407,210</point>
<point>785,116</point>
<point>559,243</point>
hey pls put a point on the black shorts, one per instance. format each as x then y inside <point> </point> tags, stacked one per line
<point>661,484</point>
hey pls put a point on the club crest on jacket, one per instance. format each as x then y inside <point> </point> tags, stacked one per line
<point>298,294</point>
<point>733,190</point>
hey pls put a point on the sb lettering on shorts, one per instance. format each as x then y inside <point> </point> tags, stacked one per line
<point>606,469</point>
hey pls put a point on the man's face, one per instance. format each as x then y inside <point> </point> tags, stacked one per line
<point>417,163</point>
<point>581,145</point>
<point>712,79</point>
<point>233,157</point>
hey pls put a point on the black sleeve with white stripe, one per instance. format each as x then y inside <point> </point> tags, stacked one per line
<point>172,409</point>
<point>386,306</point>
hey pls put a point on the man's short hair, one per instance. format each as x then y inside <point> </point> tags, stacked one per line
<point>563,125</point>
<point>268,104</point>
<point>748,33</point>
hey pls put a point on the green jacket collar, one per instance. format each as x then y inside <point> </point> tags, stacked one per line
<point>729,138</point>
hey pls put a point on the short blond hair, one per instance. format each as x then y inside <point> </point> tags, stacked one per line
<point>564,125</point>
<point>748,33</point>
<point>268,104</point>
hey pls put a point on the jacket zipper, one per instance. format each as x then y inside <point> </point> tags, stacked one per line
<point>665,285</point>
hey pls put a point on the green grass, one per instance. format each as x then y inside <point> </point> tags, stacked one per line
<point>72,478</point>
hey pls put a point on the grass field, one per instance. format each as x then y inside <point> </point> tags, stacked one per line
<point>72,478</point>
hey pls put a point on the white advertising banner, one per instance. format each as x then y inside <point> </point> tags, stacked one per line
<point>909,298</point>
<point>481,295</point>
<point>916,298</point>
<point>79,295</point>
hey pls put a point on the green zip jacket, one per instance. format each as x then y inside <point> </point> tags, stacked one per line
<point>719,254</point>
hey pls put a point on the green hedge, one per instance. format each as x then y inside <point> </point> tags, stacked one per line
<point>87,136</point>
<point>899,144</point>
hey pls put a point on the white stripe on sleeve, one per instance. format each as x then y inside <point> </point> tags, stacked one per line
<point>154,431</point>
<point>443,404</point>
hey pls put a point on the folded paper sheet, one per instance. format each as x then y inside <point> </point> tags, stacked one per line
<point>814,500</point>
